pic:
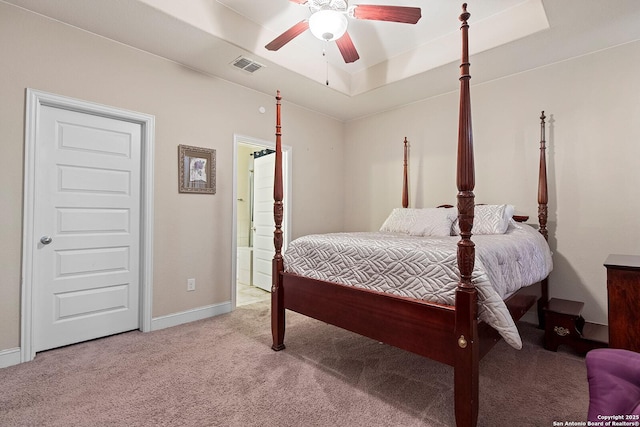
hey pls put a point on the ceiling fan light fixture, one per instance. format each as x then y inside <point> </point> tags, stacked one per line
<point>328,24</point>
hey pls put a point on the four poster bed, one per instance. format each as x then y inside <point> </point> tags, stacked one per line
<point>457,326</point>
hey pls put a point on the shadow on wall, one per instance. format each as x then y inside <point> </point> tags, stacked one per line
<point>564,280</point>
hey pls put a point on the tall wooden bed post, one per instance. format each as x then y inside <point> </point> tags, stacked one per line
<point>277,294</point>
<point>405,176</point>
<point>467,353</point>
<point>543,199</point>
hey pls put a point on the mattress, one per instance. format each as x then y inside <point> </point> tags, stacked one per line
<point>426,267</point>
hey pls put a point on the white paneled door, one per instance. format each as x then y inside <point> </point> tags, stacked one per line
<point>263,222</point>
<point>87,224</point>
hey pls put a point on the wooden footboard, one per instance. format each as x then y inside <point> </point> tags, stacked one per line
<point>417,326</point>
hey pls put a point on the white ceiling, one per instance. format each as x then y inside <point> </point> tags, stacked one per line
<point>399,63</point>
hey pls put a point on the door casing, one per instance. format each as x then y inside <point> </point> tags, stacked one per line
<point>34,101</point>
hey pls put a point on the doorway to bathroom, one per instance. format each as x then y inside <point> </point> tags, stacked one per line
<point>253,217</point>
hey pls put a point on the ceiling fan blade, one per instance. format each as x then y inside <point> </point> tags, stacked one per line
<point>288,35</point>
<point>347,49</point>
<point>403,14</point>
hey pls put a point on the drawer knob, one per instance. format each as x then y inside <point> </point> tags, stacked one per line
<point>462,342</point>
<point>563,332</point>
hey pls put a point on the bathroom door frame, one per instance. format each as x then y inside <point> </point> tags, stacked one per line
<point>287,156</point>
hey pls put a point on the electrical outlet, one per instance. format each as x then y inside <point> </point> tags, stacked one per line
<point>191,284</point>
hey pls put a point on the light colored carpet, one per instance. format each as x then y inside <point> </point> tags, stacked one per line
<point>222,372</point>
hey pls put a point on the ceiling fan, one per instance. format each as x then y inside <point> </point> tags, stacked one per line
<point>328,22</point>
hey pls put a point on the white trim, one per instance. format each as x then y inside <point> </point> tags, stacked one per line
<point>147,223</point>
<point>287,159</point>
<point>34,101</point>
<point>9,357</point>
<point>192,315</point>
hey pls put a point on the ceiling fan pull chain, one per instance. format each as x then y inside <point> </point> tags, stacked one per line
<point>326,61</point>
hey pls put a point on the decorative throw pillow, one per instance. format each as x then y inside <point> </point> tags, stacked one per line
<point>489,219</point>
<point>420,222</point>
<point>434,222</point>
<point>400,220</point>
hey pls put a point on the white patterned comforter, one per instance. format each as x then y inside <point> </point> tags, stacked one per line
<point>426,267</point>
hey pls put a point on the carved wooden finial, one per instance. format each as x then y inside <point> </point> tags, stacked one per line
<point>464,16</point>
<point>278,99</point>
<point>464,65</point>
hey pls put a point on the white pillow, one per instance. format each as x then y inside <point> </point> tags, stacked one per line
<point>489,219</point>
<point>420,222</point>
<point>509,211</point>
<point>400,220</point>
<point>434,222</point>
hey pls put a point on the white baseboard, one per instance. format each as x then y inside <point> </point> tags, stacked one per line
<point>199,313</point>
<point>9,357</point>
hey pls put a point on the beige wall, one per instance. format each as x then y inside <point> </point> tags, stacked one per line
<point>593,109</point>
<point>192,232</point>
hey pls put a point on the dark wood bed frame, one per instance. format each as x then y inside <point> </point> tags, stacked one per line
<point>448,334</point>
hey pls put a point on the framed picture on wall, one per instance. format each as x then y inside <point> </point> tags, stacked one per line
<point>196,170</point>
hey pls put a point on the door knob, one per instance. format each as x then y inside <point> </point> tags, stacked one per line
<point>45,240</point>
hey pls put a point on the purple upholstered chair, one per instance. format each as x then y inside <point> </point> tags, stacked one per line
<point>614,382</point>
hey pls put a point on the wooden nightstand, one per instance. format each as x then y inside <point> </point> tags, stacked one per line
<point>564,324</point>
<point>623,294</point>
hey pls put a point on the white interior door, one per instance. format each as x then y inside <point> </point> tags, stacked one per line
<point>87,218</point>
<point>263,223</point>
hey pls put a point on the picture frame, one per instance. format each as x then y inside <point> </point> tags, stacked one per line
<point>196,170</point>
